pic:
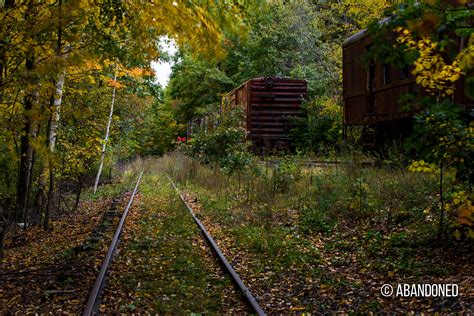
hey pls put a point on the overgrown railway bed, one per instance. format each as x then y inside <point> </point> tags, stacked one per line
<point>93,301</point>
<point>50,271</point>
<point>166,264</point>
<point>188,256</point>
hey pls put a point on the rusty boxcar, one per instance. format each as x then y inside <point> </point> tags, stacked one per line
<point>268,103</point>
<point>372,90</point>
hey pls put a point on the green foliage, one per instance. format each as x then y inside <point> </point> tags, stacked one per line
<point>147,125</point>
<point>321,128</point>
<point>223,145</point>
<point>431,35</point>
<point>437,19</point>
<point>194,87</point>
<point>287,39</point>
<point>8,161</point>
<point>286,172</point>
<point>159,129</point>
<point>316,220</point>
<point>442,135</point>
<point>470,87</point>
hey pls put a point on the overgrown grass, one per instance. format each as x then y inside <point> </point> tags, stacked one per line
<point>321,195</point>
<point>295,222</point>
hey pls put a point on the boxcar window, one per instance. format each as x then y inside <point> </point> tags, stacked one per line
<point>404,73</point>
<point>386,74</point>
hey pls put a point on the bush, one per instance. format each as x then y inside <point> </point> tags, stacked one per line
<point>320,130</point>
<point>286,173</point>
<point>223,145</point>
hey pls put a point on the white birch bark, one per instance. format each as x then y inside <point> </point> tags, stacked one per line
<point>104,146</point>
<point>57,111</point>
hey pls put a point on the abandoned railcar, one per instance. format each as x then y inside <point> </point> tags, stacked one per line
<point>371,94</point>
<point>269,104</point>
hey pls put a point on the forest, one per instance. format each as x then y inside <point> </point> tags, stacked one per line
<point>321,227</point>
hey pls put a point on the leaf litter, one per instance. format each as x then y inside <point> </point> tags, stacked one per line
<point>53,271</point>
<point>164,265</point>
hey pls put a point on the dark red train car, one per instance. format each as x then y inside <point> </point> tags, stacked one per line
<point>372,91</point>
<point>269,103</point>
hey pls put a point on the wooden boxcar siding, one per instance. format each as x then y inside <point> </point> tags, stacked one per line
<point>387,98</point>
<point>386,95</point>
<point>272,105</point>
<point>239,97</point>
<point>268,104</point>
<point>354,83</point>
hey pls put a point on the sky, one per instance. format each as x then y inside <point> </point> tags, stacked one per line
<point>163,69</point>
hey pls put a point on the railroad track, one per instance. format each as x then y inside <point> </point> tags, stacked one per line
<point>315,163</point>
<point>95,295</point>
<point>250,299</point>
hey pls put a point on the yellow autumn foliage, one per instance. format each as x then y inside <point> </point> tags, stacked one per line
<point>422,166</point>
<point>362,12</point>
<point>116,84</point>
<point>466,215</point>
<point>431,70</point>
<point>466,55</point>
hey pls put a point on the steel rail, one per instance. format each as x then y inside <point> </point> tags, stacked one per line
<point>92,305</point>
<point>317,163</point>
<point>235,277</point>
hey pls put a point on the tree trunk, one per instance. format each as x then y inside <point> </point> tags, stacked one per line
<point>109,122</point>
<point>8,4</point>
<point>31,162</point>
<point>441,200</point>
<point>32,158</point>
<point>110,175</point>
<point>56,110</point>
<point>49,204</point>
<point>78,193</point>
<point>2,67</point>
<point>25,147</point>
<point>52,135</point>
<point>49,196</point>
<point>3,230</point>
<point>39,199</point>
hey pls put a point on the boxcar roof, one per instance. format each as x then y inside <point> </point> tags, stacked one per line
<point>262,78</point>
<point>362,34</point>
<point>355,38</point>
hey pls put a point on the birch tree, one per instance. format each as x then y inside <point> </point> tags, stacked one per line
<point>107,132</point>
<point>42,41</point>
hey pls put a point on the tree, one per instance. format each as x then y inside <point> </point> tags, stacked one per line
<point>43,44</point>
<point>436,39</point>
<point>107,130</point>
<point>195,87</point>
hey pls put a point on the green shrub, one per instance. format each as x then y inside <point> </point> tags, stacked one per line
<point>285,174</point>
<point>223,145</point>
